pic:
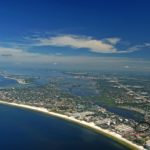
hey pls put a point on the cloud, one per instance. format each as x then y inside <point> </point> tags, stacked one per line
<point>107,45</point>
<point>147,44</point>
<point>74,41</point>
<point>9,51</point>
<point>16,53</point>
<point>21,51</point>
<point>135,48</point>
<point>112,41</point>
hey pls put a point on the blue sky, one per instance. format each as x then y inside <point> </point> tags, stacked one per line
<point>97,33</point>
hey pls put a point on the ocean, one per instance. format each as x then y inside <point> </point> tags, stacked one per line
<point>22,129</point>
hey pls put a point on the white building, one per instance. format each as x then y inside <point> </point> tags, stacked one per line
<point>123,128</point>
<point>147,145</point>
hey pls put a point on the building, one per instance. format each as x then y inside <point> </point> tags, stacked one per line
<point>147,145</point>
<point>122,128</point>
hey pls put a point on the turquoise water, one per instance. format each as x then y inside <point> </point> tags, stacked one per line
<point>22,129</point>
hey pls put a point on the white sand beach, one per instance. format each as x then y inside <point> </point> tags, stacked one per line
<point>91,125</point>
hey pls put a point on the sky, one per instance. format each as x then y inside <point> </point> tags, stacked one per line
<point>91,34</point>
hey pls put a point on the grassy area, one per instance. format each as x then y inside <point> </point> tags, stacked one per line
<point>102,100</point>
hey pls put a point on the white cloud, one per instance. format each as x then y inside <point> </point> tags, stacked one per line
<point>135,48</point>
<point>20,54</point>
<point>16,53</point>
<point>112,41</point>
<point>107,45</point>
<point>147,44</point>
<point>10,51</point>
<point>73,41</point>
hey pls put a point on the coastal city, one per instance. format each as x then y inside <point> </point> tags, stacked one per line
<point>74,75</point>
<point>116,102</point>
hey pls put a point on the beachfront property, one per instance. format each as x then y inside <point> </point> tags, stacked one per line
<point>122,128</point>
<point>58,96</point>
<point>147,145</point>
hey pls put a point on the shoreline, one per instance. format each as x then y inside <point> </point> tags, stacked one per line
<point>133,109</point>
<point>19,81</point>
<point>114,136</point>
